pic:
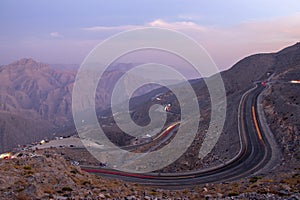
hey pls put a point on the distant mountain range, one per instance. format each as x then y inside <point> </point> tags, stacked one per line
<point>35,98</point>
<point>34,102</point>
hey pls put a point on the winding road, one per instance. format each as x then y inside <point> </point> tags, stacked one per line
<point>254,154</point>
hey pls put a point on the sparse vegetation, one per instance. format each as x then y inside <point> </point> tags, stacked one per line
<point>67,189</point>
<point>27,167</point>
<point>233,193</point>
<point>254,179</point>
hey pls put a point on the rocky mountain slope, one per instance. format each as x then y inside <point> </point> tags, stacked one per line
<point>282,108</point>
<point>242,77</point>
<point>35,101</point>
<point>45,174</point>
<point>237,80</point>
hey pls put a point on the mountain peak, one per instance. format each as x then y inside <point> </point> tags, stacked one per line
<point>25,61</point>
<point>28,63</point>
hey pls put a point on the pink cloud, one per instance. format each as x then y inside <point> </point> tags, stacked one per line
<point>55,34</point>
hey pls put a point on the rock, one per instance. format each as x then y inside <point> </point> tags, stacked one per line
<point>30,190</point>
<point>107,195</point>
<point>102,196</point>
<point>219,195</point>
<point>130,198</point>
<point>286,187</point>
<point>295,197</point>
<point>60,198</point>
<point>147,198</point>
<point>283,192</point>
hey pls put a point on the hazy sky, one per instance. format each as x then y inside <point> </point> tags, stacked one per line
<point>56,31</point>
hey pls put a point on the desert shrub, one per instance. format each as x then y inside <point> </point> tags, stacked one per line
<point>233,193</point>
<point>67,189</point>
<point>27,167</point>
<point>254,179</point>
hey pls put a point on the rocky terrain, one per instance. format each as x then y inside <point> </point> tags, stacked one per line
<point>45,174</point>
<point>237,80</point>
<point>35,100</point>
<point>48,173</point>
<point>282,108</point>
<point>36,104</point>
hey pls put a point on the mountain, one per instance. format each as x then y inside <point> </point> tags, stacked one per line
<point>51,176</point>
<point>282,104</point>
<point>237,80</point>
<point>35,100</point>
<point>28,87</point>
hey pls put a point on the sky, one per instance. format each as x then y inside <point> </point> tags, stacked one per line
<point>64,32</point>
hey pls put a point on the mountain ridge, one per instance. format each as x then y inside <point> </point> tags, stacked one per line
<point>42,95</point>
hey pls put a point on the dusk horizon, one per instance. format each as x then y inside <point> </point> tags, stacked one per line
<point>229,31</point>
